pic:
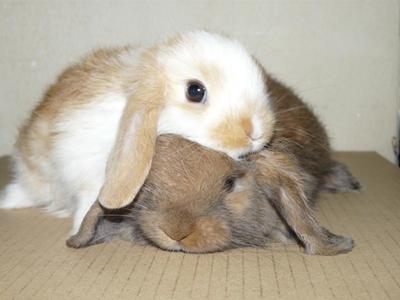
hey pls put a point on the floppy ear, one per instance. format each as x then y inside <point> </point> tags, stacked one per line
<point>281,172</point>
<point>130,160</point>
<point>87,230</point>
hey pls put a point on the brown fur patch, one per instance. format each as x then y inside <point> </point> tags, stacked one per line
<point>239,202</point>
<point>103,71</point>
<point>282,171</point>
<point>233,132</point>
<point>209,235</point>
<point>178,230</point>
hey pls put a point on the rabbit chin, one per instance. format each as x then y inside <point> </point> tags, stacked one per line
<point>160,239</point>
<point>238,154</point>
<point>163,241</point>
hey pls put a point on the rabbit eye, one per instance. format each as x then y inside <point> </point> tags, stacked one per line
<point>229,183</point>
<point>196,92</point>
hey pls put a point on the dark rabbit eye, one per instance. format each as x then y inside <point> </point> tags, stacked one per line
<point>229,183</point>
<point>196,92</point>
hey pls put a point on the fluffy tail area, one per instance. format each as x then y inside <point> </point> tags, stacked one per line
<point>15,196</point>
<point>340,179</point>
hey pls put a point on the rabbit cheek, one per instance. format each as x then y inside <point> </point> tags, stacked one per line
<point>209,235</point>
<point>149,223</point>
<point>238,202</point>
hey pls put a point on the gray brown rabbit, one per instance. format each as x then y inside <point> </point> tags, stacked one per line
<point>199,200</point>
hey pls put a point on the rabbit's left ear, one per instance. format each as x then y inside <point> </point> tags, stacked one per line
<point>130,160</point>
<point>87,231</point>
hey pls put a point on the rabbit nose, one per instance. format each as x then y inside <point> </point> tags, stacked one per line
<point>249,130</point>
<point>254,137</point>
<point>178,224</point>
<point>247,126</point>
<point>177,235</point>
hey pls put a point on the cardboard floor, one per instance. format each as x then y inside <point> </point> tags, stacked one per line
<point>36,264</point>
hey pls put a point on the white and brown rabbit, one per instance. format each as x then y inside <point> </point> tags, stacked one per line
<point>199,200</point>
<point>93,135</point>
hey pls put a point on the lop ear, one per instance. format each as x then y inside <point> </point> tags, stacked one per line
<point>281,173</point>
<point>87,230</point>
<point>130,160</point>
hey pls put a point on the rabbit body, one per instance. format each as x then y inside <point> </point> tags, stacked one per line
<point>93,135</point>
<point>62,151</point>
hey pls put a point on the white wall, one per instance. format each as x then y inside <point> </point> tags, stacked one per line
<point>342,56</point>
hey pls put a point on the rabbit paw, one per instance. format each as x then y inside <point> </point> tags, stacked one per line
<point>333,245</point>
<point>78,241</point>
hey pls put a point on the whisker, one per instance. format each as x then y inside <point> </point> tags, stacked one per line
<point>280,112</point>
<point>106,235</point>
<point>139,205</point>
<point>297,91</point>
<point>118,215</point>
<point>311,137</point>
<point>190,145</point>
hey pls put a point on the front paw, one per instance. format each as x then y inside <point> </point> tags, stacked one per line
<point>78,241</point>
<point>333,245</point>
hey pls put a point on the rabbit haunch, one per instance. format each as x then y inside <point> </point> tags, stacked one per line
<point>93,134</point>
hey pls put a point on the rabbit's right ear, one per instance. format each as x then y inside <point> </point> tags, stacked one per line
<point>130,160</point>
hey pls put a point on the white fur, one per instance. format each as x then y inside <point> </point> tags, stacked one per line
<point>74,171</point>
<point>80,155</point>
<point>15,196</point>
<point>236,84</point>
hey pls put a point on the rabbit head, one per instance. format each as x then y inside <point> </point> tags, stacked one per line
<point>194,200</point>
<point>199,85</point>
<point>215,94</point>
